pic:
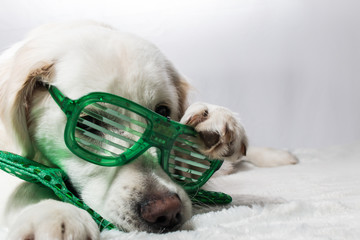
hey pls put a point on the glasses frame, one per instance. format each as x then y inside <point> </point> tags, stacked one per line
<point>160,132</point>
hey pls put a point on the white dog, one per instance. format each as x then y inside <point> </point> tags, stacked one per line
<point>84,57</point>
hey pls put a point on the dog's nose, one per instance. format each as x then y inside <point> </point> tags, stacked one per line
<point>162,212</point>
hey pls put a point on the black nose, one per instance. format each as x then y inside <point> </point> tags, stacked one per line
<point>162,213</point>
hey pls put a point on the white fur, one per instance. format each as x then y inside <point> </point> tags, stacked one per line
<point>80,58</point>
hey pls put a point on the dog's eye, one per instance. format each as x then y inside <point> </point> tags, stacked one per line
<point>88,128</point>
<point>163,110</point>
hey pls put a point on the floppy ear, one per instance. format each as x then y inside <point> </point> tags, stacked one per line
<point>182,89</point>
<point>19,75</point>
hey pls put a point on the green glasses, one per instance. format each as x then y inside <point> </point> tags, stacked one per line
<point>109,130</point>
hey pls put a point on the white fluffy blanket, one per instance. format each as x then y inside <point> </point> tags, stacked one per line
<point>319,198</point>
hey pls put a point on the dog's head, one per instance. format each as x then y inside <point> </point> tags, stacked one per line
<point>79,59</point>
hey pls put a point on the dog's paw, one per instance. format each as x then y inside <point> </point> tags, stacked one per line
<point>269,157</point>
<point>55,220</point>
<point>222,134</point>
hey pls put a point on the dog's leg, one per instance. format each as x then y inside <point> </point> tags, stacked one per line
<point>32,217</point>
<point>225,138</point>
<point>269,157</point>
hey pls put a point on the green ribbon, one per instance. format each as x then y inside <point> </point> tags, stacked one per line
<point>55,178</point>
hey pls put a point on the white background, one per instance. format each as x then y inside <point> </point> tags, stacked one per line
<point>290,68</point>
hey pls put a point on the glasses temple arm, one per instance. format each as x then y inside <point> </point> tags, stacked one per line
<point>65,103</point>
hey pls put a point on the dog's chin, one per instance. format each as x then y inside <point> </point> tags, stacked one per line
<point>143,227</point>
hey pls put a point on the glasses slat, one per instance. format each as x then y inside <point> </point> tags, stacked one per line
<point>100,139</point>
<point>187,170</point>
<point>187,142</point>
<point>189,162</point>
<point>193,154</point>
<point>111,123</point>
<point>119,115</point>
<point>106,131</point>
<point>97,148</point>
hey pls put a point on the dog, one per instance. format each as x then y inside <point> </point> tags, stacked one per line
<point>84,57</point>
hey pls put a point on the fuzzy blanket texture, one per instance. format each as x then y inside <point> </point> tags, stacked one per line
<point>319,198</point>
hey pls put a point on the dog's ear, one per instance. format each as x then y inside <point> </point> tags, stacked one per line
<point>20,75</point>
<point>182,89</point>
